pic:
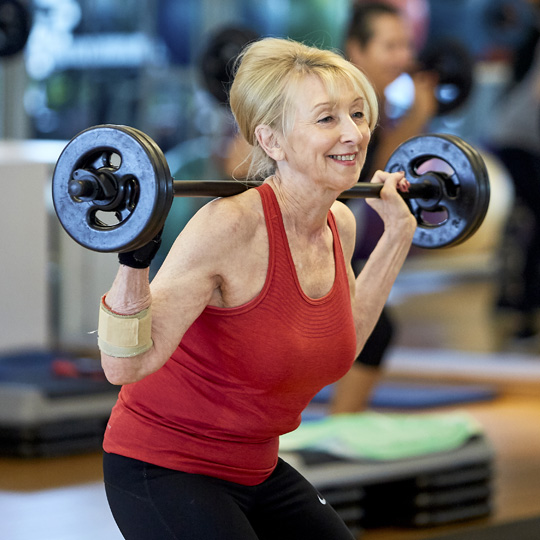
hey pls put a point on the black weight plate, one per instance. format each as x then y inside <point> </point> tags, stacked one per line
<point>14,27</point>
<point>139,160</point>
<point>217,59</point>
<point>165,180</point>
<point>482,180</point>
<point>466,191</point>
<point>453,63</point>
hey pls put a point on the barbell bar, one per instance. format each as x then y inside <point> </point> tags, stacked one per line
<point>88,188</point>
<point>112,188</point>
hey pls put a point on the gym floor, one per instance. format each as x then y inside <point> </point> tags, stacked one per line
<point>447,331</point>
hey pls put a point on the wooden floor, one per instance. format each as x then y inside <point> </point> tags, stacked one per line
<point>448,331</point>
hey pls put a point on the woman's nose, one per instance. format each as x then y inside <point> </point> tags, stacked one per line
<point>351,131</point>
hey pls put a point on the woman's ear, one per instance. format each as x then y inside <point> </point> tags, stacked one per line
<point>269,142</point>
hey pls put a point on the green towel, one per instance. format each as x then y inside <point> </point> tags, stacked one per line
<point>379,436</point>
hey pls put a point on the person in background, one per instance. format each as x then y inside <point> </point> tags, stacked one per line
<point>513,135</point>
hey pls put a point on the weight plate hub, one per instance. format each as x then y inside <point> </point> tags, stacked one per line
<point>465,188</point>
<point>141,161</point>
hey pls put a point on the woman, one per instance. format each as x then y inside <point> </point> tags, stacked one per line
<point>254,310</point>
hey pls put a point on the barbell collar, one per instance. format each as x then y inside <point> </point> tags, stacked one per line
<point>83,190</point>
<point>86,186</point>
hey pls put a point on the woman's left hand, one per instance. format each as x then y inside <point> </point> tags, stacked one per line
<point>391,207</point>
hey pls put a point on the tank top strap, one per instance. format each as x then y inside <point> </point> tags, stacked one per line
<point>272,216</point>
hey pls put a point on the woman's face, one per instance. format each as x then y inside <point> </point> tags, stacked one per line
<point>328,141</point>
<point>388,53</point>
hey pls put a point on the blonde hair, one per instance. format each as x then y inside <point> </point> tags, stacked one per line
<point>267,72</point>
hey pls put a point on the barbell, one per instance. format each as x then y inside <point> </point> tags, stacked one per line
<point>112,189</point>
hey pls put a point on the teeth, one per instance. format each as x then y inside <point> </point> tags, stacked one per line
<point>350,157</point>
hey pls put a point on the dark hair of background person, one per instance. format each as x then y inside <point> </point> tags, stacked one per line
<point>361,25</point>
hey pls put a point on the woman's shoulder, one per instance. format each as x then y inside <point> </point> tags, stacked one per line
<point>237,215</point>
<point>343,215</point>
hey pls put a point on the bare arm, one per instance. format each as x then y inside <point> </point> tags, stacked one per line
<point>370,290</point>
<point>375,281</point>
<point>178,294</point>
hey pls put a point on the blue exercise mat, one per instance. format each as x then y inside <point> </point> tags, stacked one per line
<point>394,395</point>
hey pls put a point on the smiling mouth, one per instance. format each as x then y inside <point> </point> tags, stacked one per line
<point>344,157</point>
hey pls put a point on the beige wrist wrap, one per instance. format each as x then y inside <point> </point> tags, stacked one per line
<point>123,336</point>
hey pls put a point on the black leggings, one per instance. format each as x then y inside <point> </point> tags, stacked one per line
<point>153,503</point>
<point>524,168</point>
<point>378,342</point>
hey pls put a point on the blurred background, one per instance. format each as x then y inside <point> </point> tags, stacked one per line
<point>158,65</point>
<point>147,64</point>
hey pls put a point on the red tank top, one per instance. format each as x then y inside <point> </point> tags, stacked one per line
<point>241,376</point>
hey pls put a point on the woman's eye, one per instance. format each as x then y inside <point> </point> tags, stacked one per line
<point>359,115</point>
<point>325,120</point>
